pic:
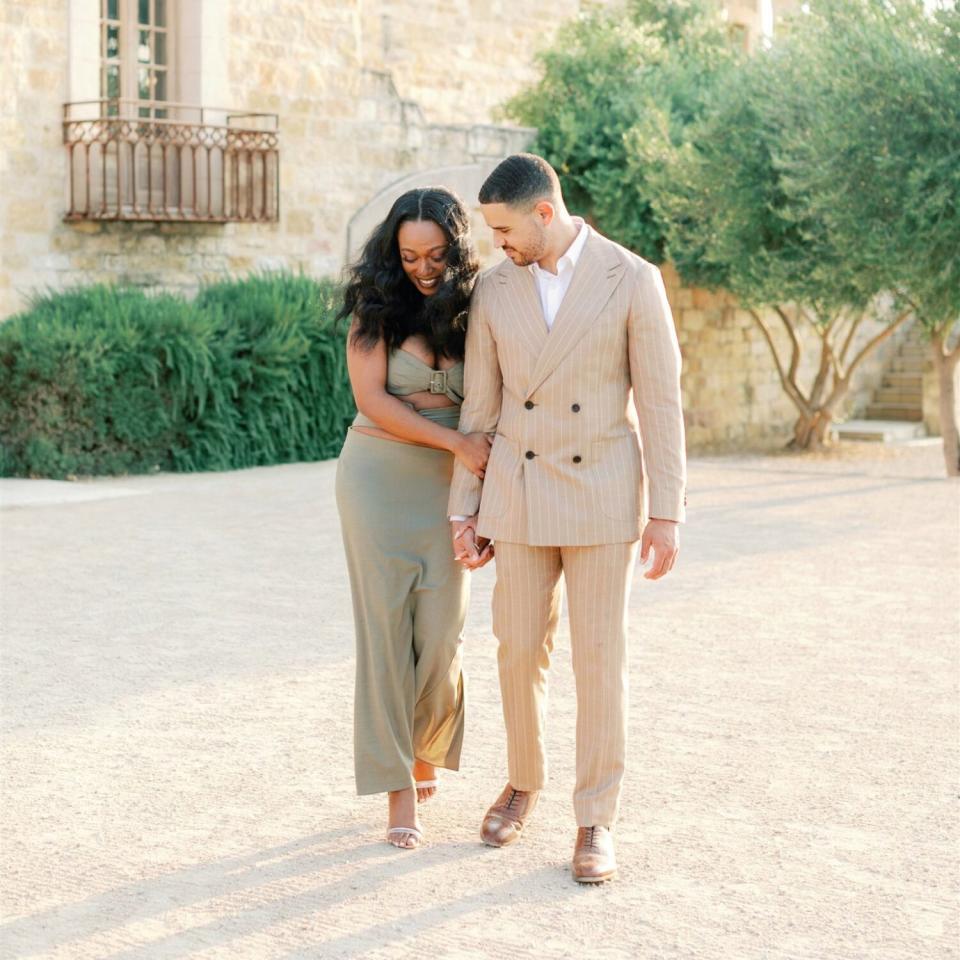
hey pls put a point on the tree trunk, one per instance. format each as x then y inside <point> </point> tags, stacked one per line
<point>812,431</point>
<point>946,366</point>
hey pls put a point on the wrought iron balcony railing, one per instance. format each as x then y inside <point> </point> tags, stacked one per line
<point>160,161</point>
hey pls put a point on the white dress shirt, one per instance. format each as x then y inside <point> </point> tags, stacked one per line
<point>553,286</point>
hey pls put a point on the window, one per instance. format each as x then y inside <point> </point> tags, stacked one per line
<point>135,152</point>
<point>136,57</point>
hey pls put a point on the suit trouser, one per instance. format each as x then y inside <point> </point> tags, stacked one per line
<point>526,607</point>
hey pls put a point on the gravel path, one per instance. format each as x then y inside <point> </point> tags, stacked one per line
<point>177,671</point>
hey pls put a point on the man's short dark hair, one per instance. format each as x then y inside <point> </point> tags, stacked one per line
<point>521,181</point>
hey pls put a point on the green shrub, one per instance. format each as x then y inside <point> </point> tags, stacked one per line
<point>105,380</point>
<point>289,396</point>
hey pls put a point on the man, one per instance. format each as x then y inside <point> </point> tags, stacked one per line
<point>557,339</point>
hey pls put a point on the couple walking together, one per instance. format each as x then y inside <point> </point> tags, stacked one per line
<point>495,416</point>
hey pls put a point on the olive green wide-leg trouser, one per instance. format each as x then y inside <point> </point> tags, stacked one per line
<point>409,604</point>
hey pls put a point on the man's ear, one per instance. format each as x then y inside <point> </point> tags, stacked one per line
<point>546,211</point>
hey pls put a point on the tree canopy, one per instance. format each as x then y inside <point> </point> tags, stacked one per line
<point>617,88</point>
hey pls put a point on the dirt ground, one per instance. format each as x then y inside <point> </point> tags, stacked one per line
<point>177,671</point>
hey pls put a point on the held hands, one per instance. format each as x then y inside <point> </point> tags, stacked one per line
<point>470,551</point>
<point>663,537</point>
<point>473,451</point>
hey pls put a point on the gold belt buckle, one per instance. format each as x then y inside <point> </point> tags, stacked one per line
<point>438,381</point>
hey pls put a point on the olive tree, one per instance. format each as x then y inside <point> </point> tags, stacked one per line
<point>611,79</point>
<point>878,159</point>
<point>737,219</point>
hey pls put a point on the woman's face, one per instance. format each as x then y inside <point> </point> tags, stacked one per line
<point>423,253</point>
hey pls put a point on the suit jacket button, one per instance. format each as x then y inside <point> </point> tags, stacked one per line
<point>529,404</point>
<point>530,454</point>
<point>576,408</point>
<point>577,458</point>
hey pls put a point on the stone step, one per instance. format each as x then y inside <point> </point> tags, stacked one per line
<point>894,411</point>
<point>908,365</point>
<point>879,431</point>
<point>903,381</point>
<point>886,395</point>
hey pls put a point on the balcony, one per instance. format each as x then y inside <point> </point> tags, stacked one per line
<point>170,162</point>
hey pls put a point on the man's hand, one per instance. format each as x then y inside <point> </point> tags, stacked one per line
<point>469,550</point>
<point>485,547</point>
<point>663,537</point>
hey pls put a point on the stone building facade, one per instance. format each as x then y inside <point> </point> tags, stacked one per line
<point>341,78</point>
<point>367,97</point>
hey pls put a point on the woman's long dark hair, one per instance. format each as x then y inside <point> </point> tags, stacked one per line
<point>386,305</point>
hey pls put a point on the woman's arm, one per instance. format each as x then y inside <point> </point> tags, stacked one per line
<point>368,378</point>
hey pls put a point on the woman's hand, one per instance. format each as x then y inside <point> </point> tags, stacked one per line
<point>469,550</point>
<point>473,451</point>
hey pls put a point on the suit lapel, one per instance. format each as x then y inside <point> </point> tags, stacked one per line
<point>594,280</point>
<point>520,302</point>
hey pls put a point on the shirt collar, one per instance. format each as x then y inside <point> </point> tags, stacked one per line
<point>569,260</point>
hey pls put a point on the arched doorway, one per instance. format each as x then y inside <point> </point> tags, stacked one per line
<point>464,180</point>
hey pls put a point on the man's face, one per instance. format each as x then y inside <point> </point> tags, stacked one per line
<point>521,234</point>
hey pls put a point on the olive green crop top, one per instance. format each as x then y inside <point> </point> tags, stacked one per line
<point>408,374</point>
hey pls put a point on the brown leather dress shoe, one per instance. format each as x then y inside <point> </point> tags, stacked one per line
<point>505,819</point>
<point>593,857</point>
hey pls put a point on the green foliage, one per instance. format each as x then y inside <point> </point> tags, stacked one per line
<point>104,380</point>
<point>290,396</point>
<point>618,89</point>
<point>878,152</point>
<point>737,218</point>
<point>827,168</point>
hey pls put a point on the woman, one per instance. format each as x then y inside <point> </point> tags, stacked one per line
<point>407,296</point>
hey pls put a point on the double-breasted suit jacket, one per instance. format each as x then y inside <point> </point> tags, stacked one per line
<point>569,406</point>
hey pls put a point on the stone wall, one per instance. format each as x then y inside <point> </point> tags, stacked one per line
<point>33,74</point>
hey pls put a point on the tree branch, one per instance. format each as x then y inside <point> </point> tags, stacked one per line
<point>854,327</point>
<point>951,354</point>
<point>806,316</point>
<point>878,339</point>
<point>828,362</point>
<point>786,379</point>
<point>833,323</point>
<point>795,341</point>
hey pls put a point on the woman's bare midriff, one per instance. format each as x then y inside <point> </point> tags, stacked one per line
<point>419,401</point>
<point>423,400</point>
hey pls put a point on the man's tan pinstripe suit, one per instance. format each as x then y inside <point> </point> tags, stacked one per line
<point>564,489</point>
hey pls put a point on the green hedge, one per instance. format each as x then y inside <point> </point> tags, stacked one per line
<point>107,380</point>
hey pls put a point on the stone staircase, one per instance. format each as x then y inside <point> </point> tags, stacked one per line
<point>896,412</point>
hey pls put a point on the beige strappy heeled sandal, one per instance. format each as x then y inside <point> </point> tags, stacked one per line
<point>402,832</point>
<point>426,785</point>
